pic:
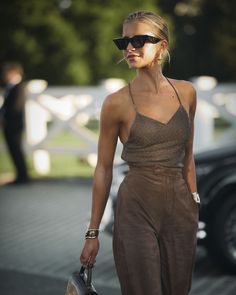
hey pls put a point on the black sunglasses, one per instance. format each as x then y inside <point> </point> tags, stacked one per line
<point>136,41</point>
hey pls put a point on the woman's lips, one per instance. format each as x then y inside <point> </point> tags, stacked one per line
<point>132,56</point>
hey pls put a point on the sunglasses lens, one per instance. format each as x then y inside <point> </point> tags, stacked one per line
<point>138,41</point>
<point>121,43</point>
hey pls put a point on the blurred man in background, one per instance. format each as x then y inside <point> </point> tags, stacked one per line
<point>12,118</point>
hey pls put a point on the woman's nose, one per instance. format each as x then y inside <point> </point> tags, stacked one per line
<point>130,46</point>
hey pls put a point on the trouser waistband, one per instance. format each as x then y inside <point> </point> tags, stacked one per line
<point>158,169</point>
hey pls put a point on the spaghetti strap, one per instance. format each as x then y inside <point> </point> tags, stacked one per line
<point>131,96</point>
<point>175,90</point>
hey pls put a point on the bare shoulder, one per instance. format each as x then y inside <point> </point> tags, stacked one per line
<point>184,87</point>
<point>115,99</point>
<point>186,91</point>
<point>115,102</point>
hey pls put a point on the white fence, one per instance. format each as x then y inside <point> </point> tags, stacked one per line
<point>49,111</point>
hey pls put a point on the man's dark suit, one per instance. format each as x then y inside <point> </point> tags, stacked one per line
<point>13,126</point>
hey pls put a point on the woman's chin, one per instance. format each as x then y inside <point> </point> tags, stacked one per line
<point>139,65</point>
<point>134,65</point>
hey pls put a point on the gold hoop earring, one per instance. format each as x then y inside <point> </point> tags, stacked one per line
<point>168,54</point>
<point>159,58</point>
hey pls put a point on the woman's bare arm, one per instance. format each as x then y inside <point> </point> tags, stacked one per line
<point>109,131</point>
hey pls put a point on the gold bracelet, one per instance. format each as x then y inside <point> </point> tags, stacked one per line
<point>91,233</point>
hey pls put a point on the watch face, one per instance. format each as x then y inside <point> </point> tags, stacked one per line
<point>196,197</point>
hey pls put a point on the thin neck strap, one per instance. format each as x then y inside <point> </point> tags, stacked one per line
<point>175,90</point>
<point>132,99</point>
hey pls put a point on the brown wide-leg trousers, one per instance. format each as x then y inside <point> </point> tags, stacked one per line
<point>155,232</point>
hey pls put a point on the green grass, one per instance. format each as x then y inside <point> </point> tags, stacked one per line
<point>64,164</point>
<point>65,139</point>
<point>221,125</point>
<point>60,164</point>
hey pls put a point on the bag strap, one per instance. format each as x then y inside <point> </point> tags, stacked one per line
<point>88,278</point>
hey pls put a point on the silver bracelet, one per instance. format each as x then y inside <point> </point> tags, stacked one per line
<point>196,197</point>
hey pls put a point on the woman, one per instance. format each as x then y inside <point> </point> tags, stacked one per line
<point>157,212</point>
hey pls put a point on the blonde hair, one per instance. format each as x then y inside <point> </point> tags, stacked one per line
<point>156,23</point>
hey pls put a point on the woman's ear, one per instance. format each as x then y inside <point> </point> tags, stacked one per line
<point>162,52</point>
<point>164,45</point>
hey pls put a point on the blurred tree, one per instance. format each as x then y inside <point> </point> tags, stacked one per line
<point>205,33</point>
<point>65,41</point>
<point>35,34</point>
<point>70,41</point>
<point>98,22</point>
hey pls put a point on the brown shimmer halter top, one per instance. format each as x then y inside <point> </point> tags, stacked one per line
<point>152,142</point>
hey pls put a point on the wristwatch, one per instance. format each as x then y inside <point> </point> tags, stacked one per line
<point>196,197</point>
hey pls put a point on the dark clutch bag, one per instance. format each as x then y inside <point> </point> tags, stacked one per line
<point>80,283</point>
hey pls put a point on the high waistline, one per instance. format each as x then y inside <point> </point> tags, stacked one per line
<point>158,169</point>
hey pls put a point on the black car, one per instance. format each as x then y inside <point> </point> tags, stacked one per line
<point>216,177</point>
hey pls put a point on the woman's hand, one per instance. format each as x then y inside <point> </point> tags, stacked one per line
<point>89,252</point>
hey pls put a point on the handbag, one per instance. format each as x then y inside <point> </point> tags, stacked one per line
<point>80,283</point>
